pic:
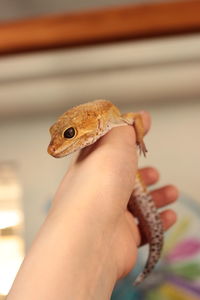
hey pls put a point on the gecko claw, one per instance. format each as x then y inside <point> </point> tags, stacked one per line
<point>142,148</point>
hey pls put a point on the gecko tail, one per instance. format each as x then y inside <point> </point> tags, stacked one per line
<point>154,255</point>
<point>139,279</point>
<point>143,207</point>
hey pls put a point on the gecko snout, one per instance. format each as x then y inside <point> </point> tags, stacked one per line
<point>51,149</point>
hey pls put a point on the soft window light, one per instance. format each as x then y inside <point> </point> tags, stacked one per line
<point>11,223</point>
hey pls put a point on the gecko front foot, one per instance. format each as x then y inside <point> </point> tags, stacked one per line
<point>142,148</point>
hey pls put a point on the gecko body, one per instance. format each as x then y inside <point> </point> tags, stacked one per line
<point>82,126</point>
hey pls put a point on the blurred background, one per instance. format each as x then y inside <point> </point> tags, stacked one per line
<point>157,70</point>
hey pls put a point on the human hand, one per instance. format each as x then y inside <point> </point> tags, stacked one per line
<point>89,238</point>
<point>102,178</point>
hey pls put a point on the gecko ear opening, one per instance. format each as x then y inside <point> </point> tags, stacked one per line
<point>69,133</point>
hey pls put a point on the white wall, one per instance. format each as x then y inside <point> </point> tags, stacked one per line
<point>152,70</point>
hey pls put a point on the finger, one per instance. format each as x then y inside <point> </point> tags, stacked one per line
<point>168,218</point>
<point>146,118</point>
<point>149,175</point>
<point>165,195</point>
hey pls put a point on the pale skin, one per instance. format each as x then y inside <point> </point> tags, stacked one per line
<point>89,239</point>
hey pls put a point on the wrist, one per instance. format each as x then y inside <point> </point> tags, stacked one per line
<point>92,269</point>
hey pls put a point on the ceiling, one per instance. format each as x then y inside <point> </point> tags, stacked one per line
<point>19,9</point>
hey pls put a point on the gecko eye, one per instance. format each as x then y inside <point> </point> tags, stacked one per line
<point>69,133</point>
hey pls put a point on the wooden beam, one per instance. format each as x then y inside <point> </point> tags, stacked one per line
<point>100,26</point>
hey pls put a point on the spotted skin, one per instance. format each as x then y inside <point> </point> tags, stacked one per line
<point>91,121</point>
<point>142,206</point>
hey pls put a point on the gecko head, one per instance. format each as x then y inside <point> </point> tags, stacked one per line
<point>73,131</point>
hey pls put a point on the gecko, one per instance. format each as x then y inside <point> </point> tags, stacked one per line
<point>82,126</point>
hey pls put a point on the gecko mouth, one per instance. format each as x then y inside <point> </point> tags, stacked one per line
<point>58,153</point>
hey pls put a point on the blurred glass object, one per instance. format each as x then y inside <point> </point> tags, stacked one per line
<point>11,226</point>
